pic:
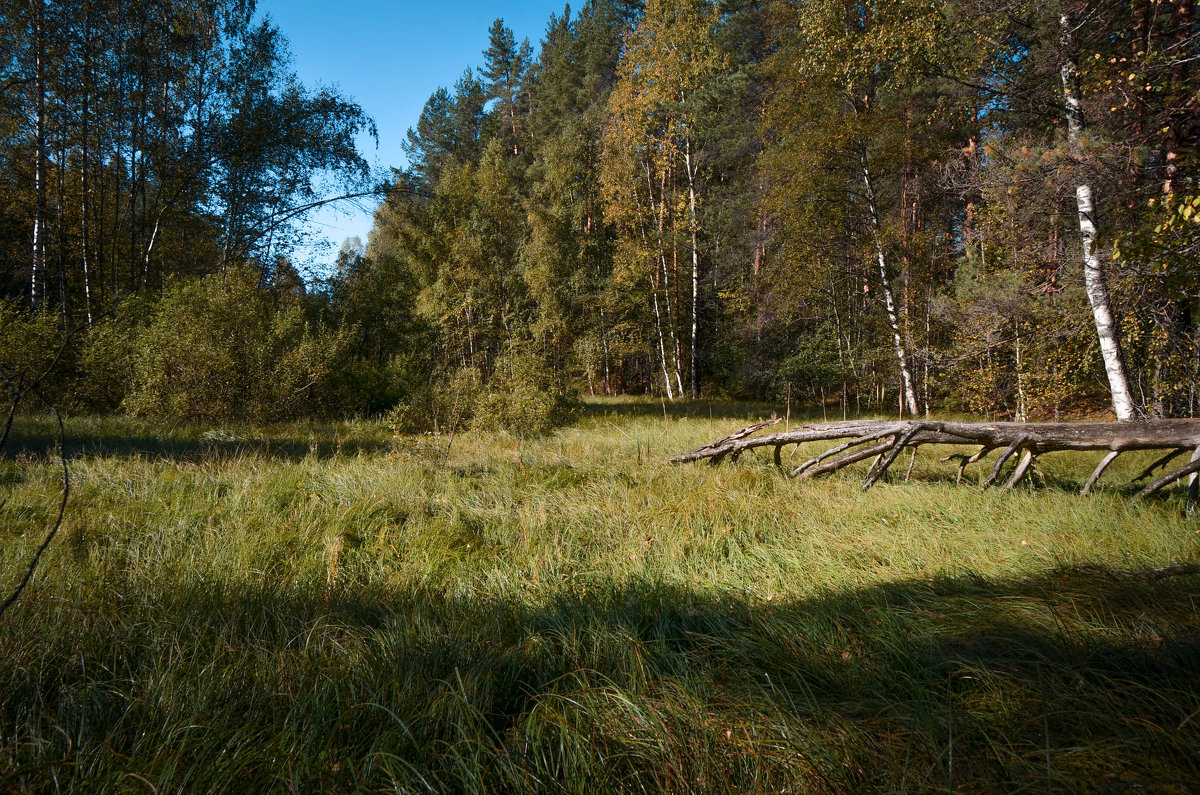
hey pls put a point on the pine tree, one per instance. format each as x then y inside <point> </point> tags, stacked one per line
<point>505,65</point>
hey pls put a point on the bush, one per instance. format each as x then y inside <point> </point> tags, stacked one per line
<point>218,350</point>
<point>105,367</point>
<point>439,406</point>
<point>29,344</point>
<point>815,365</point>
<point>522,397</point>
<point>364,385</point>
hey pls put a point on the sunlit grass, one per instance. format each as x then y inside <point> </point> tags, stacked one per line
<point>332,607</point>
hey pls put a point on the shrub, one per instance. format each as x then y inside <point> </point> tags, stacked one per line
<point>439,406</point>
<point>105,368</point>
<point>218,350</point>
<point>522,397</point>
<point>525,398</point>
<point>365,385</point>
<point>29,344</point>
<point>815,365</point>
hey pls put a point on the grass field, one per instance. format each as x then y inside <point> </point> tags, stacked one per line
<point>333,608</point>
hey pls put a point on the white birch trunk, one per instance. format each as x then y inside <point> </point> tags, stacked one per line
<point>85,186</point>
<point>666,272</point>
<point>150,247</point>
<point>687,162</point>
<point>666,275</point>
<point>38,267</point>
<point>1022,413</point>
<point>662,347</point>
<point>1093,268</point>
<point>910,397</point>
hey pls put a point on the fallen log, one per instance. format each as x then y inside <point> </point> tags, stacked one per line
<point>736,436</point>
<point>1027,440</point>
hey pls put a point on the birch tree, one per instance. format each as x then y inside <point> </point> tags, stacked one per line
<point>669,57</point>
<point>1095,282</point>
<point>838,121</point>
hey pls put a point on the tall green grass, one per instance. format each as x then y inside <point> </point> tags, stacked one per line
<point>331,608</point>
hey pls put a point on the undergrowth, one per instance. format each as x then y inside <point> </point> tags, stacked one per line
<point>334,608</point>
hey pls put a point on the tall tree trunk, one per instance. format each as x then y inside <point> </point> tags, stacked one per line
<point>1093,268</point>
<point>662,346</point>
<point>60,225</point>
<point>85,186</point>
<point>687,162</point>
<point>604,352</point>
<point>910,397</point>
<point>666,276</point>
<point>1181,21</point>
<point>1022,411</point>
<point>674,313</point>
<point>512,119</point>
<point>38,267</point>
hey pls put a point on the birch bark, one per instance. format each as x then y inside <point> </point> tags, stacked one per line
<point>1093,268</point>
<point>687,163</point>
<point>85,187</point>
<point>662,346</point>
<point>38,267</point>
<point>660,210</point>
<point>910,397</point>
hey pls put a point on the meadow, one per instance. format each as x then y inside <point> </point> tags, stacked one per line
<point>333,607</point>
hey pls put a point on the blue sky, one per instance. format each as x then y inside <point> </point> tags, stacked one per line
<point>389,57</point>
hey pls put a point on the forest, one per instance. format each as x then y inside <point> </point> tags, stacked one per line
<point>983,208</point>
<point>421,514</point>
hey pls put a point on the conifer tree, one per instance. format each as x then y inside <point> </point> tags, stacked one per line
<point>505,65</point>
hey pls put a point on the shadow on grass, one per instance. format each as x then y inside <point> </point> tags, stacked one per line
<point>35,441</point>
<point>733,410</point>
<point>1062,682</point>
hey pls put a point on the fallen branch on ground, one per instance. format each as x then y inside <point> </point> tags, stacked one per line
<point>1026,440</point>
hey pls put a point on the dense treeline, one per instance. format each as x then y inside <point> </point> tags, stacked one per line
<point>150,139</point>
<point>146,146</point>
<point>857,202</point>
<point>970,206</point>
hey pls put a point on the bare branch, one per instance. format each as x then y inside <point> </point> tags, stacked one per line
<point>62,509</point>
<point>1099,470</point>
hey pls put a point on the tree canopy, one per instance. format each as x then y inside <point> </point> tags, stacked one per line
<point>891,205</point>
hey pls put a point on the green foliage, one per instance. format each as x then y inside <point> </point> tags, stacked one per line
<point>439,407</point>
<point>28,344</point>
<point>818,364</point>
<point>107,357</point>
<point>389,353</point>
<point>219,350</point>
<point>525,398</point>
<point>522,397</point>
<point>223,148</point>
<point>732,196</point>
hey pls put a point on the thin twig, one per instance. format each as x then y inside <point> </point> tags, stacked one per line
<point>62,509</point>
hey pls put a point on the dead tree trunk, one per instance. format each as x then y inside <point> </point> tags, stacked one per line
<point>887,439</point>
